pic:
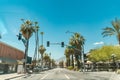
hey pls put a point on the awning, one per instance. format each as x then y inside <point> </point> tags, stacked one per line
<point>7,61</point>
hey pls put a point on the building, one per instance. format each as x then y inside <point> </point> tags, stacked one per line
<point>8,58</point>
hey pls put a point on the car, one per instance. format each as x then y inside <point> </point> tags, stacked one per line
<point>37,69</point>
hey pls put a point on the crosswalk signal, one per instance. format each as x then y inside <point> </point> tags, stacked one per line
<point>62,44</point>
<point>48,43</point>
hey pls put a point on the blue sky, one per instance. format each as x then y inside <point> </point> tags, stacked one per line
<point>55,17</point>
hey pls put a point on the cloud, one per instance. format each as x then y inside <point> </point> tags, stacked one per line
<point>98,43</point>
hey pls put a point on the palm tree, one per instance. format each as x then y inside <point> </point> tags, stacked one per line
<point>115,30</point>
<point>77,40</point>
<point>27,30</point>
<point>36,28</point>
<point>42,50</point>
<point>67,54</point>
<point>42,36</point>
<point>47,59</point>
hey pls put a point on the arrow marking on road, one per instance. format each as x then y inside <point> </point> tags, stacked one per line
<point>67,76</point>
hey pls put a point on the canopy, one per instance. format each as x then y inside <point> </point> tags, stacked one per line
<point>7,61</point>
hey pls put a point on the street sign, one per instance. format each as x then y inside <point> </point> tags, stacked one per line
<point>71,46</point>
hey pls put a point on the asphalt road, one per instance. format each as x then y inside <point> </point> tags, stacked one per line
<point>64,74</point>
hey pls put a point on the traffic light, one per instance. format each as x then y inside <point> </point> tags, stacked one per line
<point>0,36</point>
<point>48,43</point>
<point>19,36</point>
<point>62,44</point>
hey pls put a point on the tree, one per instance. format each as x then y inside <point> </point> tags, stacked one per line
<point>104,53</point>
<point>42,50</point>
<point>67,54</point>
<point>61,64</point>
<point>36,30</point>
<point>77,40</point>
<point>27,30</point>
<point>47,59</point>
<point>53,63</point>
<point>115,30</point>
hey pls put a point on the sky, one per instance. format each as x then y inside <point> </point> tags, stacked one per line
<point>55,17</point>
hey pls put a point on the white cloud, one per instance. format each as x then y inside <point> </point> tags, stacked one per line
<point>98,43</point>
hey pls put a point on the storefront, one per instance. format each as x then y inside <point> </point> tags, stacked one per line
<point>7,65</point>
<point>8,58</point>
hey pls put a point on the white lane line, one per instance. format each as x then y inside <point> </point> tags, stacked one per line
<point>67,76</point>
<point>44,76</point>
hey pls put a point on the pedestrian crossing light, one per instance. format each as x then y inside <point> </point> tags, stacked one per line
<point>62,44</point>
<point>48,43</point>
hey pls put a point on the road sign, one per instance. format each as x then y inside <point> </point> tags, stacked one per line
<point>71,46</point>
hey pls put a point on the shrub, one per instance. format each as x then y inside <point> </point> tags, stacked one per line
<point>70,67</point>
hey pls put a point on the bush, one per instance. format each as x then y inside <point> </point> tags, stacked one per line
<point>70,67</point>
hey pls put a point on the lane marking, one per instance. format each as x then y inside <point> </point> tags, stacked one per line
<point>67,76</point>
<point>44,76</point>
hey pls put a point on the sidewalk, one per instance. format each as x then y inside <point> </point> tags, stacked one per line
<point>10,76</point>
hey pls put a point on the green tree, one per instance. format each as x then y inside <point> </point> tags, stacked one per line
<point>104,53</point>
<point>67,54</point>
<point>47,59</point>
<point>61,64</point>
<point>115,30</point>
<point>42,50</point>
<point>53,63</point>
<point>77,40</point>
<point>27,30</point>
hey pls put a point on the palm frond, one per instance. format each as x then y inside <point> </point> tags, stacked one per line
<point>108,31</point>
<point>116,26</point>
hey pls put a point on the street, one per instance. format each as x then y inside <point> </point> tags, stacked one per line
<point>64,74</point>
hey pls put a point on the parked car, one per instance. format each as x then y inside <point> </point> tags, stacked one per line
<point>37,69</point>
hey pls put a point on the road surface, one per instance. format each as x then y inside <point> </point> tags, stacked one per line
<point>64,74</point>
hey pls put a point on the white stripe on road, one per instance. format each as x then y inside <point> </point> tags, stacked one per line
<point>44,76</point>
<point>67,76</point>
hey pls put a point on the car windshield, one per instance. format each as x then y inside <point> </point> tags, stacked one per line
<point>59,39</point>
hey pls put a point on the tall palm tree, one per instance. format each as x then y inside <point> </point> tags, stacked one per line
<point>115,30</point>
<point>67,54</point>
<point>71,52</point>
<point>42,36</point>
<point>42,50</point>
<point>77,40</point>
<point>36,28</point>
<point>27,30</point>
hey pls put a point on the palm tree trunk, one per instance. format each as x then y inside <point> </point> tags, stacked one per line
<point>26,54</point>
<point>42,61</point>
<point>72,61</point>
